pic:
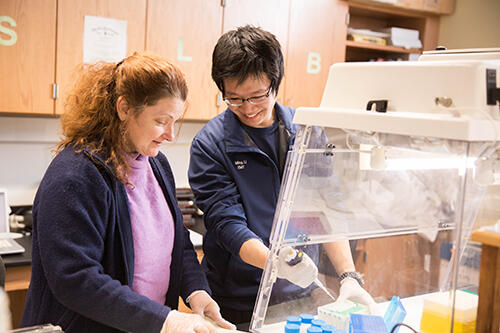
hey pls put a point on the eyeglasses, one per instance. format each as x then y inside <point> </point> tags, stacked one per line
<point>252,100</point>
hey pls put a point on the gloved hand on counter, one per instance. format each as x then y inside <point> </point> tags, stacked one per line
<point>351,290</point>
<point>296,266</point>
<point>178,322</point>
<point>202,304</point>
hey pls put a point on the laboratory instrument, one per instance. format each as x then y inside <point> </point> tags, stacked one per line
<point>396,160</point>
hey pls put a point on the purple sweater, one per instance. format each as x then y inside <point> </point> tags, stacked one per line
<point>152,230</point>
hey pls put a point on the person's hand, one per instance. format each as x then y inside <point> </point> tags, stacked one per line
<point>202,304</point>
<point>351,290</point>
<point>180,322</point>
<point>301,273</point>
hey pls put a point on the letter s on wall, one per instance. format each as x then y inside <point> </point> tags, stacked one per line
<point>9,32</point>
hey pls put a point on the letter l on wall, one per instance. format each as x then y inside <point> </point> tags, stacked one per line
<point>180,51</point>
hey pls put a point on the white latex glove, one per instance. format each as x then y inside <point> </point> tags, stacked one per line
<point>351,290</point>
<point>302,274</point>
<point>202,304</point>
<point>180,322</point>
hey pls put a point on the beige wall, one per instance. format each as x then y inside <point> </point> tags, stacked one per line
<point>474,24</point>
<point>26,149</point>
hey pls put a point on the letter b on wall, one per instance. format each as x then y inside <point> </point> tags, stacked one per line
<point>313,63</point>
<point>11,34</point>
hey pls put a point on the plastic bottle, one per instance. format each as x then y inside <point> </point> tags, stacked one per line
<point>306,318</point>
<point>293,320</point>
<point>318,322</point>
<point>292,328</point>
<point>314,329</point>
<point>328,328</point>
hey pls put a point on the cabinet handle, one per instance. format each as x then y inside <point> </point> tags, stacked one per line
<point>55,90</point>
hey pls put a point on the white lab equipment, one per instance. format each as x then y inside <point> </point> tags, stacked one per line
<point>396,159</point>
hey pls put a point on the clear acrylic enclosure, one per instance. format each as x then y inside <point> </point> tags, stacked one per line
<point>407,215</point>
<point>401,183</point>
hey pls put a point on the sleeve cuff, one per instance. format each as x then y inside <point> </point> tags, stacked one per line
<point>236,236</point>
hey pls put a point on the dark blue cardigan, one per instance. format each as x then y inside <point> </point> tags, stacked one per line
<point>83,255</point>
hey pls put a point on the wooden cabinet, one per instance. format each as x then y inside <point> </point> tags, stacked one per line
<point>313,48</point>
<point>404,265</point>
<point>190,46</point>
<point>17,281</point>
<point>272,16</point>
<point>185,32</point>
<point>70,24</point>
<point>312,34</point>
<point>488,311</point>
<point>27,56</point>
<point>316,41</point>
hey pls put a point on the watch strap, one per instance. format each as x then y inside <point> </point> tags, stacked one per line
<point>355,275</point>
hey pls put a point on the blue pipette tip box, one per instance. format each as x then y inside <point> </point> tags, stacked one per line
<point>394,314</point>
<point>363,323</point>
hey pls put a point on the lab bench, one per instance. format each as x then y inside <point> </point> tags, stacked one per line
<point>17,278</point>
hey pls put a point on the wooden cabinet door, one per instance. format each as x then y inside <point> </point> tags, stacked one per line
<point>27,55</point>
<point>70,16</point>
<point>404,265</point>
<point>185,32</point>
<point>270,15</point>
<point>316,40</point>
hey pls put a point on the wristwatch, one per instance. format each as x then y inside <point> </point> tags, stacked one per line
<point>355,275</point>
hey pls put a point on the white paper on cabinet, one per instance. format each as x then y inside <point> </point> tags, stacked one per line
<point>104,39</point>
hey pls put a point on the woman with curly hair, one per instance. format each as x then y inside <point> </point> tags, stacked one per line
<point>110,251</point>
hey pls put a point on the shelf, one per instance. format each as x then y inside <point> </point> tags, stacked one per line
<point>411,8</point>
<point>383,48</point>
<point>382,11</point>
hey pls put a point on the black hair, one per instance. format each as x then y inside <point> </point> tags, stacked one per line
<point>247,51</point>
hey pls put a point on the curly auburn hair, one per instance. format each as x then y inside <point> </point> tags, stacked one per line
<point>91,120</point>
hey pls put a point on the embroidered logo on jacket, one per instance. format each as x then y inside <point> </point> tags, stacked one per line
<point>240,164</point>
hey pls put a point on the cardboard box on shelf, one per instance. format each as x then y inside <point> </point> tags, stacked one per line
<point>407,38</point>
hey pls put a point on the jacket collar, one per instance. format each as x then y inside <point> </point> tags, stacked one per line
<point>236,137</point>
<point>98,158</point>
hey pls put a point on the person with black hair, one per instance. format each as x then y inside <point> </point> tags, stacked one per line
<point>236,167</point>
